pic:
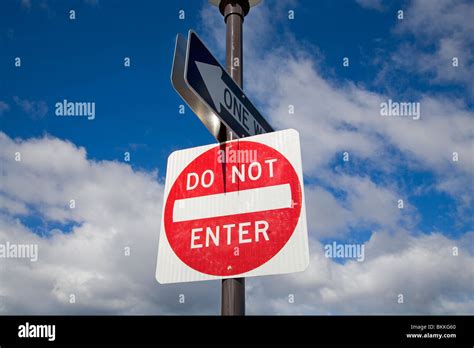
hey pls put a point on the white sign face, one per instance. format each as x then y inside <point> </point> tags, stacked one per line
<point>234,210</point>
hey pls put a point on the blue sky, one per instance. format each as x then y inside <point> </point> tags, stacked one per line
<point>295,62</point>
<point>137,108</point>
<point>83,60</point>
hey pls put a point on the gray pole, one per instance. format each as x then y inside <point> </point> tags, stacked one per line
<point>234,11</point>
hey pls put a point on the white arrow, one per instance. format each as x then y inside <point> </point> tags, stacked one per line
<point>212,76</point>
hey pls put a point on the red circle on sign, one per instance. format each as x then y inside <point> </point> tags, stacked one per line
<point>232,244</point>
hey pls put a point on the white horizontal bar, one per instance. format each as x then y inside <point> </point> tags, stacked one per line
<point>232,203</point>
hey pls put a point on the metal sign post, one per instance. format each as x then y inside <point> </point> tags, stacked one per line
<point>234,11</point>
<point>233,289</point>
<point>193,207</point>
<point>194,75</point>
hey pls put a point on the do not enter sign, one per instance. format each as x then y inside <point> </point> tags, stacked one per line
<point>227,219</point>
<point>234,210</point>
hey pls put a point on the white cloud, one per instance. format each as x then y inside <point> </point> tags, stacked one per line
<point>371,4</point>
<point>93,3</point>
<point>364,205</point>
<point>36,109</point>
<point>333,117</point>
<point>4,107</point>
<point>421,268</point>
<point>26,4</point>
<point>116,207</point>
<point>434,19</point>
<point>441,30</point>
<point>119,207</point>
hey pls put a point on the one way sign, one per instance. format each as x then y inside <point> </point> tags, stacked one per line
<point>213,85</point>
